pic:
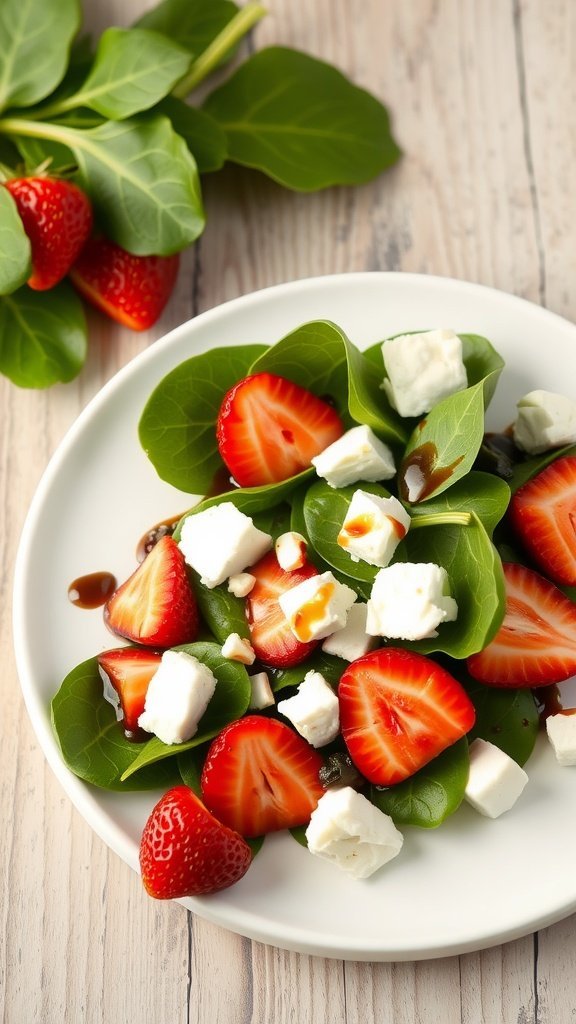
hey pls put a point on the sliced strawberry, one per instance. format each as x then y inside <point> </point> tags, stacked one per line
<point>131,289</point>
<point>543,514</point>
<point>270,634</point>
<point>129,671</point>
<point>259,776</point>
<point>536,643</point>
<point>57,217</point>
<point>269,429</point>
<point>398,710</point>
<point>156,605</point>
<point>184,851</point>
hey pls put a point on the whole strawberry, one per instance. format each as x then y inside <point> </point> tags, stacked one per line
<point>185,851</point>
<point>131,289</point>
<point>57,217</point>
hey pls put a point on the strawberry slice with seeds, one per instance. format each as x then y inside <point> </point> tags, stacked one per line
<point>543,514</point>
<point>269,428</point>
<point>536,643</point>
<point>185,851</point>
<point>259,776</point>
<point>398,710</point>
<point>129,671</point>
<point>270,635</point>
<point>156,605</point>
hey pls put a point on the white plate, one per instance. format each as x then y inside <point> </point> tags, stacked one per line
<point>470,884</point>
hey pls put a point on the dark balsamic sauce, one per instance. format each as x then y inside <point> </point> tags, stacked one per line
<point>421,462</point>
<point>92,590</point>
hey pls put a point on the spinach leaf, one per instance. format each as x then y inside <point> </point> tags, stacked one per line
<point>190,765</point>
<point>91,739</point>
<point>42,336</point>
<point>133,69</point>
<point>177,426</point>
<point>330,667</point>
<point>193,25</point>
<point>482,362</point>
<point>223,612</point>
<point>262,504</point>
<point>444,445</point>
<point>201,133</point>
<point>507,718</point>
<point>15,251</point>
<point>325,509</point>
<point>476,580</point>
<point>488,496</point>
<point>230,701</point>
<point>35,38</point>
<point>432,794</point>
<point>302,122</point>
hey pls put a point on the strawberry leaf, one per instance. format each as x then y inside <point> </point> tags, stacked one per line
<point>35,38</point>
<point>340,137</point>
<point>432,794</point>
<point>43,336</point>
<point>15,251</point>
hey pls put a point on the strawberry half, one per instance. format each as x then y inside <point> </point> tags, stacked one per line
<point>398,710</point>
<point>536,643</point>
<point>543,514</point>
<point>156,605</point>
<point>259,776</point>
<point>270,428</point>
<point>131,289</point>
<point>184,851</point>
<point>129,671</point>
<point>57,217</point>
<point>270,634</point>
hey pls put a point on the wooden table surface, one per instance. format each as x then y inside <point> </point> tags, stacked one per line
<point>483,98</point>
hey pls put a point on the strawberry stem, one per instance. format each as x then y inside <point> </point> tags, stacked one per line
<point>246,18</point>
<point>441,519</point>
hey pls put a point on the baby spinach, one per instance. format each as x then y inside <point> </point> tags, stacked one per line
<point>201,133</point>
<point>487,495</point>
<point>507,718</point>
<point>324,512</point>
<point>342,137</point>
<point>91,739</point>
<point>35,38</point>
<point>427,798</point>
<point>329,666</point>
<point>15,263</point>
<point>177,426</point>
<point>193,25</point>
<point>265,505</point>
<point>42,336</point>
<point>223,612</point>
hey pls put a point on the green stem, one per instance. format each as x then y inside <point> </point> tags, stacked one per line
<point>441,519</point>
<point>34,129</point>
<point>242,22</point>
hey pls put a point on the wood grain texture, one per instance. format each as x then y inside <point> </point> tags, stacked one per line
<point>482,96</point>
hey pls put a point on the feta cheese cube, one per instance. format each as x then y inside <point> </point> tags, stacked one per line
<point>177,697</point>
<point>545,420</point>
<point>220,542</point>
<point>290,550</point>
<point>352,641</point>
<point>261,695</point>
<point>351,832</point>
<point>241,584</point>
<point>314,710</point>
<point>357,455</point>
<point>317,606</point>
<point>495,781</point>
<point>373,528</point>
<point>236,648</point>
<point>422,370</point>
<point>408,601</point>
<point>561,730</point>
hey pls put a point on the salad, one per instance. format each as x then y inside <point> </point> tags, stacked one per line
<point>292,722</point>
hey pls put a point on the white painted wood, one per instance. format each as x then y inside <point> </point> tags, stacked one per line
<point>482,97</point>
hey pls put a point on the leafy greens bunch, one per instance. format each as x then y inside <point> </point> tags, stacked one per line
<point>116,121</point>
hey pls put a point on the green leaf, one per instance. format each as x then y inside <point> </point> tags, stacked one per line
<point>35,152</point>
<point>201,133</point>
<point>482,493</point>
<point>133,69</point>
<point>534,464</point>
<point>325,509</point>
<point>229,702</point>
<point>330,667</point>
<point>476,580</point>
<point>43,336</point>
<point>190,765</point>
<point>15,251</point>
<point>444,445</point>
<point>35,40</point>
<point>265,505</point>
<point>91,739</point>
<point>223,612</point>
<point>302,122</point>
<point>507,718</point>
<point>432,794</point>
<point>177,428</point>
<point>482,362</point>
<point>193,24</point>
